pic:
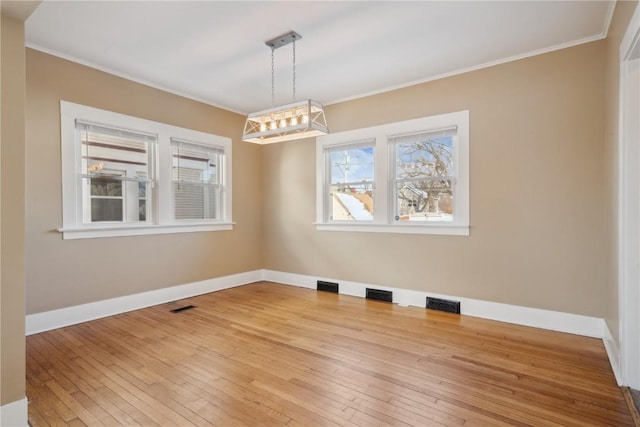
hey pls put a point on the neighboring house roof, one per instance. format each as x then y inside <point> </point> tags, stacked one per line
<point>355,207</point>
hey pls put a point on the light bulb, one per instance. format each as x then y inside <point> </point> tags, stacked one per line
<point>294,121</point>
<point>305,119</point>
<point>263,127</point>
<point>283,123</point>
<point>274,125</point>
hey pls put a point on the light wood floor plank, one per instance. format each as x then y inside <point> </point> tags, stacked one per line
<point>274,355</point>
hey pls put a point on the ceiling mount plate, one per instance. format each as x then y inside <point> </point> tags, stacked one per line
<point>283,40</point>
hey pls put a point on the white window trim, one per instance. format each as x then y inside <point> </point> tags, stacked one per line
<point>162,221</point>
<point>383,205</point>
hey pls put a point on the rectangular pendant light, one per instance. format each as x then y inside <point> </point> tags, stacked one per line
<point>302,119</point>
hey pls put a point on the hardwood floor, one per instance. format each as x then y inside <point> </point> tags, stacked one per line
<point>267,354</point>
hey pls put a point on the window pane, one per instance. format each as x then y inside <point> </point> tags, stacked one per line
<point>142,210</point>
<point>142,190</point>
<point>424,155</point>
<point>106,209</point>
<point>351,202</point>
<point>194,163</point>
<point>113,160</point>
<point>351,165</point>
<point>111,148</point>
<point>195,201</point>
<point>195,175</point>
<point>189,200</point>
<point>213,200</point>
<point>424,200</point>
<point>106,187</point>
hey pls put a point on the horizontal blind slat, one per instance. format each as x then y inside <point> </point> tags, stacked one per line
<point>116,131</point>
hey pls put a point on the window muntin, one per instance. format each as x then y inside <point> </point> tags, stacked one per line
<point>196,180</point>
<point>114,164</point>
<point>424,180</point>
<point>350,191</point>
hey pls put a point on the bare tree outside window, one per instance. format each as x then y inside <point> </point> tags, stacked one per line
<point>424,176</point>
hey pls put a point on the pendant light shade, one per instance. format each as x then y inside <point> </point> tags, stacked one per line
<point>300,119</point>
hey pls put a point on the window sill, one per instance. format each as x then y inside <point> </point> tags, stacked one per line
<point>69,233</point>
<point>437,229</point>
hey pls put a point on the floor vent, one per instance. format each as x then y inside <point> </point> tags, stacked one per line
<point>181,309</point>
<point>379,295</point>
<point>327,286</point>
<point>443,305</point>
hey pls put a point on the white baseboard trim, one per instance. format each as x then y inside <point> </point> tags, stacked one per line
<point>520,315</point>
<point>613,352</point>
<point>527,316</point>
<point>15,414</point>
<point>46,321</point>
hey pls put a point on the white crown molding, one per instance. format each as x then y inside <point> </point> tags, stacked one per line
<point>130,77</point>
<point>475,67</point>
<point>573,43</point>
<point>607,21</point>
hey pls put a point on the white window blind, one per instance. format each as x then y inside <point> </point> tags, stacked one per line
<point>116,168</point>
<point>120,176</point>
<point>196,180</point>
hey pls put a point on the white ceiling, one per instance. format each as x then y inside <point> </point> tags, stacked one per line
<point>214,51</point>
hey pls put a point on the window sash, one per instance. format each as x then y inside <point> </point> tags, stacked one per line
<point>351,202</point>
<point>423,165</point>
<point>431,204</point>
<point>428,204</point>
<point>434,133</point>
<point>197,181</point>
<point>102,149</point>
<point>110,147</point>
<point>340,205</point>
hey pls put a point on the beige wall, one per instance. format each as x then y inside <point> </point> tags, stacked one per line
<point>621,18</point>
<point>540,236</point>
<point>62,273</point>
<point>537,191</point>
<point>12,211</point>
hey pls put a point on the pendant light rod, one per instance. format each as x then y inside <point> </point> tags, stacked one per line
<point>278,42</point>
<point>273,78</point>
<point>294,70</point>
<point>298,120</point>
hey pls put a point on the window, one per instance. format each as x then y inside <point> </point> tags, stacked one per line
<point>351,182</point>
<point>115,164</point>
<point>127,176</point>
<point>424,176</point>
<point>196,180</point>
<point>417,172</point>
